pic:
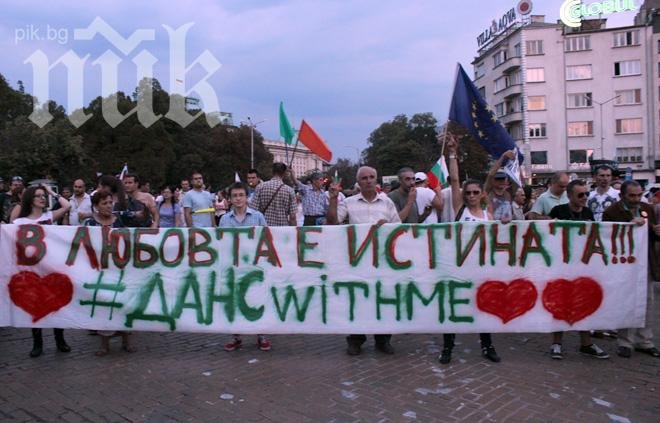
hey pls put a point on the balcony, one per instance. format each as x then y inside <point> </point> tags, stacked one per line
<point>511,91</point>
<point>512,64</point>
<point>511,118</point>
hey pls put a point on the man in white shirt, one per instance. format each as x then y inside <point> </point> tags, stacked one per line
<point>367,206</point>
<point>81,204</point>
<point>429,202</point>
<point>603,196</point>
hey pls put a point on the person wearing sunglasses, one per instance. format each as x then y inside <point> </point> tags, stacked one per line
<point>575,209</point>
<point>32,210</point>
<point>471,205</point>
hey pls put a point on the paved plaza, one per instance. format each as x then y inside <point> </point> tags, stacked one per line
<point>189,377</point>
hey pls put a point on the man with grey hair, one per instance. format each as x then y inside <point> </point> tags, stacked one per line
<point>554,196</point>
<point>368,206</point>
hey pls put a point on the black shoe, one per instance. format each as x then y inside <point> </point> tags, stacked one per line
<point>653,351</point>
<point>624,352</point>
<point>445,357</point>
<point>62,345</point>
<point>385,347</point>
<point>354,348</point>
<point>36,352</point>
<point>490,353</point>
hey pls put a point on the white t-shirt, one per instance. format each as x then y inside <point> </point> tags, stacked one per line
<point>599,203</point>
<point>45,219</point>
<point>448,214</point>
<point>425,197</point>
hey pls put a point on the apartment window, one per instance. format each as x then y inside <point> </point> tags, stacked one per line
<point>513,106</point>
<point>517,51</point>
<point>627,67</point>
<point>536,130</point>
<point>577,43</point>
<point>500,84</point>
<point>479,71</point>
<point>658,46</point>
<point>499,109</point>
<point>515,131</point>
<point>482,92</point>
<point>579,156</point>
<point>628,96</point>
<point>630,155</point>
<point>514,79</point>
<point>536,102</point>
<point>629,126</point>
<point>499,57</point>
<point>626,38</point>
<point>534,47</point>
<point>539,157</point>
<point>577,100</point>
<point>578,72</point>
<point>580,129</point>
<point>535,75</point>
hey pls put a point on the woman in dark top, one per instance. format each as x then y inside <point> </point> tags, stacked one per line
<point>102,203</point>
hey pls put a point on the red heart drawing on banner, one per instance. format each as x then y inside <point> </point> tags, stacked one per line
<point>40,296</point>
<point>574,300</point>
<point>506,301</point>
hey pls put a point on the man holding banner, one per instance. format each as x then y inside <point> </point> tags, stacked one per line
<point>368,206</point>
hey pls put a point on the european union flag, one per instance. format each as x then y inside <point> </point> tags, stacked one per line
<point>470,110</point>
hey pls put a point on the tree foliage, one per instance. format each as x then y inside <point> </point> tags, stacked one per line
<point>161,153</point>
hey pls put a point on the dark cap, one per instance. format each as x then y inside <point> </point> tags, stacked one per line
<point>16,178</point>
<point>316,175</point>
<point>501,175</point>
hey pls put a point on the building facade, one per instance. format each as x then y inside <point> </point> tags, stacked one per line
<point>570,95</point>
<point>304,161</point>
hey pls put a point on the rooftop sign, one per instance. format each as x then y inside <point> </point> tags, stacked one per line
<point>572,12</point>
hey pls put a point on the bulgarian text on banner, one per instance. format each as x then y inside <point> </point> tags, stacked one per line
<point>458,277</point>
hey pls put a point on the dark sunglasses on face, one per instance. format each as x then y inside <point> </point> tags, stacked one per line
<point>582,194</point>
<point>472,192</point>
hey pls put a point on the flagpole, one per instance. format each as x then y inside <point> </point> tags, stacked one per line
<point>293,154</point>
<point>444,138</point>
<point>444,133</point>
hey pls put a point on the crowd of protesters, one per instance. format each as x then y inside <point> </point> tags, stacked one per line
<point>284,200</point>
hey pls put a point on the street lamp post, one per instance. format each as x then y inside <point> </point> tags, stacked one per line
<point>600,107</point>
<point>252,125</point>
<point>357,152</point>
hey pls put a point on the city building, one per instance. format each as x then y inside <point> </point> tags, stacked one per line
<point>304,161</point>
<point>569,95</point>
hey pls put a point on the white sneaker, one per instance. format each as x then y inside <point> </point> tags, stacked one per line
<point>555,352</point>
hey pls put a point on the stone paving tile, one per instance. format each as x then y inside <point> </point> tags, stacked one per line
<point>189,377</point>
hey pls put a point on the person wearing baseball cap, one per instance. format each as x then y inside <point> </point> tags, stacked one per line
<point>429,202</point>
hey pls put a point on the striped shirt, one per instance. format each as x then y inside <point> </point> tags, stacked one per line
<point>283,202</point>
<point>359,210</point>
<point>251,218</point>
<point>315,203</point>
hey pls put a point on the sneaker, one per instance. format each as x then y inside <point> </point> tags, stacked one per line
<point>593,350</point>
<point>490,353</point>
<point>385,347</point>
<point>555,352</point>
<point>263,343</point>
<point>233,344</point>
<point>353,349</point>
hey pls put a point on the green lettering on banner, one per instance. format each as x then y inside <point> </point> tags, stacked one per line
<point>509,247</point>
<point>594,245</point>
<point>139,247</point>
<point>533,244</point>
<point>355,254</point>
<point>351,287</point>
<point>266,239</point>
<point>23,241</point>
<point>144,297</point>
<point>289,297</point>
<point>219,232</point>
<point>229,298</point>
<point>390,245</point>
<point>324,299</point>
<point>395,301</point>
<point>82,236</point>
<point>303,245</point>
<point>250,313</point>
<point>566,226</point>
<point>110,246</point>
<point>453,287</point>
<point>189,283</point>
<point>478,234</point>
<point>438,291</point>
<point>178,233</point>
<point>430,240</point>
<point>194,248</point>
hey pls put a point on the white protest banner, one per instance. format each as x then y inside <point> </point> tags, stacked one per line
<point>459,277</point>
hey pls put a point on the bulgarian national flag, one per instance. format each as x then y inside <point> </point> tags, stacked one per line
<point>438,174</point>
<point>308,136</point>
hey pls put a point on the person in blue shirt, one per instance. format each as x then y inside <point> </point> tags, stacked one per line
<point>242,215</point>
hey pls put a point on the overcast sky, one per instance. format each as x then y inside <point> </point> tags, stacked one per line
<point>344,66</point>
